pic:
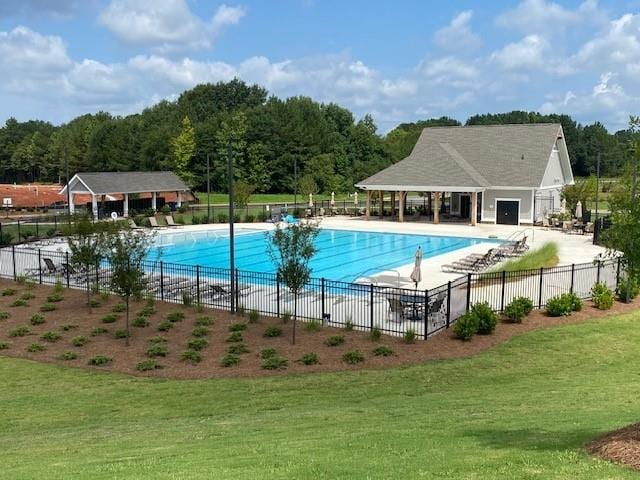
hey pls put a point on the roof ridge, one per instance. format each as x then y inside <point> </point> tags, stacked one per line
<point>466,166</point>
<point>492,125</point>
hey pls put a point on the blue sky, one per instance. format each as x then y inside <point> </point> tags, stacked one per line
<point>398,60</point>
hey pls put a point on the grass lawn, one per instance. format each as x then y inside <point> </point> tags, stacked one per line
<point>545,256</point>
<point>522,410</point>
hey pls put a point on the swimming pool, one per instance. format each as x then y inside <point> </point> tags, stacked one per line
<point>342,254</point>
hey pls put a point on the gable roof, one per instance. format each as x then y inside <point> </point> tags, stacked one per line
<point>474,158</point>
<point>101,183</point>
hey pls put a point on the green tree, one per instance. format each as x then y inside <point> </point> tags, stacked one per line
<point>583,190</point>
<point>184,147</point>
<point>291,249</point>
<point>242,193</point>
<point>308,184</point>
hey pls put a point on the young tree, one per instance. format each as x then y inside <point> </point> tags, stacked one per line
<point>291,249</point>
<point>126,253</point>
<point>184,147</point>
<point>243,192</point>
<point>583,191</point>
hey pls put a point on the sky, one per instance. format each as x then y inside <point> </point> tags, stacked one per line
<point>398,60</point>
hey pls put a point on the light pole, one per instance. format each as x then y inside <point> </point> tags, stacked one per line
<point>66,166</point>
<point>597,184</point>
<point>208,190</point>
<point>295,184</point>
<point>232,263</point>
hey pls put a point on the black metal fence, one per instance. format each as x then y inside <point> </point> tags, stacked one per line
<point>364,307</point>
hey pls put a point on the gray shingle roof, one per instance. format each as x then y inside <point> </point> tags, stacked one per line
<point>474,157</point>
<point>131,182</point>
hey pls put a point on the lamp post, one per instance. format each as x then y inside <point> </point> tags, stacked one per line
<point>597,183</point>
<point>295,184</point>
<point>208,190</point>
<point>66,166</point>
<point>232,265</point>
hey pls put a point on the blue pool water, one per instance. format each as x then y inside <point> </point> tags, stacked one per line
<point>342,254</point>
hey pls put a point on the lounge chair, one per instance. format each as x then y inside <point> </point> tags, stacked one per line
<point>434,310</point>
<point>132,224</point>
<point>51,267</point>
<point>170,222</point>
<point>154,223</point>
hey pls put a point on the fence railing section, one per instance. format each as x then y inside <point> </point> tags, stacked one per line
<point>394,311</point>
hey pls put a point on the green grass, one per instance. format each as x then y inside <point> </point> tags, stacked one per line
<point>545,256</point>
<point>522,410</point>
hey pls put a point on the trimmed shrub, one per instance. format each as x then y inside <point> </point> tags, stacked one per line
<point>312,325</point>
<point>157,350</point>
<point>234,337</point>
<point>254,316</point>
<point>223,218</point>
<point>98,331</point>
<point>50,337</point>
<point>7,292</point>
<point>275,363</point>
<point>634,289</point>
<point>602,296</point>
<point>174,317</point>
<point>110,318</point>
<point>230,360</point>
<point>486,318</point>
<point>204,321</point>
<point>237,348</point>
<point>19,303</point>
<point>20,332</point>
<point>382,351</point>
<point>68,356</point>
<point>158,339</point>
<point>119,308</point>
<point>4,315</point>
<point>519,308</point>
<point>559,306</point>
<point>94,303</point>
<point>4,345</point>
<point>334,341</point>
<point>100,360</point>
<point>576,301</point>
<point>165,326</point>
<point>191,356</point>
<point>35,347</point>
<point>197,343</point>
<point>268,352</point>
<point>146,365</point>
<point>375,334</point>
<point>353,357</point>
<point>121,334</point>
<point>272,332</point>
<point>309,358</point>
<point>27,296</point>
<point>55,298</point>
<point>237,327</point>
<point>36,319</point>
<point>466,326</point>
<point>79,341</point>
<point>410,336</point>
<point>140,322</point>
<point>200,332</point>
<point>57,287</point>
<point>47,307</point>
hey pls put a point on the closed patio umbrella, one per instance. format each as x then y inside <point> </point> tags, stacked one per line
<point>333,199</point>
<point>579,210</point>
<point>416,274</point>
<point>355,199</point>
<point>563,206</point>
<point>311,200</point>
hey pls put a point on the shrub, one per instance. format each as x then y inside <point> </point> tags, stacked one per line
<point>7,292</point>
<point>187,299</point>
<point>526,303</point>
<point>100,360</point>
<point>147,311</point>
<point>47,307</point>
<point>197,343</point>
<point>602,296</point>
<point>68,356</point>
<point>98,331</point>
<point>466,326</point>
<point>35,347</point>
<point>312,325</point>
<point>79,341</point>
<point>410,336</point>
<point>268,352</point>
<point>57,287</point>
<point>119,308</point>
<point>519,308</point>
<point>19,303</point>
<point>20,332</point>
<point>382,351</point>
<point>55,298</point>
<point>237,348</point>
<point>94,303</point>
<point>140,322</point>
<point>334,341</point>
<point>158,339</point>
<point>27,296</point>
<point>4,345</point>
<point>272,332</point>
<point>375,334</point>
<point>223,218</point>
<point>121,334</point>
<point>348,326</point>
<point>559,306</point>
<point>200,331</point>
<point>165,326</point>
<point>576,301</point>
<point>50,337</point>
<point>486,318</point>
<point>353,357</point>
<point>310,358</point>
<point>633,291</point>
<point>254,316</point>
<point>230,360</point>
<point>286,316</point>
<point>275,363</point>
<point>110,318</point>
<point>166,209</point>
<point>157,350</point>
<point>68,326</point>
<point>234,337</point>
<point>36,319</point>
<point>4,315</point>
<point>249,218</point>
<point>174,317</point>
<point>204,321</point>
<point>146,365</point>
<point>237,327</point>
<point>21,279</point>
<point>51,232</point>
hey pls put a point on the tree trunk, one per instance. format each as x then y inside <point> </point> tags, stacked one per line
<point>89,292</point>
<point>295,315</point>
<point>127,321</point>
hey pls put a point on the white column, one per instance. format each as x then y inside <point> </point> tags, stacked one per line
<point>125,207</point>
<point>179,202</point>
<point>94,206</point>
<point>72,207</point>
<point>368,210</point>
<point>474,208</point>
<point>153,201</point>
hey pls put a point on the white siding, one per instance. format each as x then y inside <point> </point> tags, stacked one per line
<point>553,175</point>
<point>489,203</point>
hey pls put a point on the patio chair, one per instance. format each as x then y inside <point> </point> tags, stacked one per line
<point>154,223</point>
<point>171,222</point>
<point>133,224</point>
<point>434,310</point>
<point>51,267</point>
<point>398,309</point>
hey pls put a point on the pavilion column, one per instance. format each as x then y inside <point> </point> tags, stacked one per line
<point>367,213</point>
<point>393,204</point>
<point>381,198</point>
<point>403,196</point>
<point>179,201</point>
<point>94,206</point>
<point>154,203</point>
<point>71,206</point>
<point>125,205</point>
<point>436,208</point>
<point>474,208</point>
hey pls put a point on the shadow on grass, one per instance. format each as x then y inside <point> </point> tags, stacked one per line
<point>531,439</point>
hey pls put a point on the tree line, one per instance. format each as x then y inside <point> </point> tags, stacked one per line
<point>273,141</point>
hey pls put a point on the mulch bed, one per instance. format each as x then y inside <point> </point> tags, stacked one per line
<point>620,446</point>
<point>73,310</point>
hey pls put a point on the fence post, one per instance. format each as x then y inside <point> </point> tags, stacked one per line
<point>13,255</point>
<point>449,304</point>
<point>55,222</point>
<point>323,312</point>
<point>19,235</point>
<point>40,265</point>
<point>161,281</point>
<point>598,274</point>
<point>371,305</point>
<point>67,269</point>
<point>198,284</point>
<point>278,296</point>
<point>573,271</point>
<point>468,292</point>
<point>540,292</point>
<point>235,279</point>
<point>504,278</point>
<point>37,229</point>
<point>426,313</point>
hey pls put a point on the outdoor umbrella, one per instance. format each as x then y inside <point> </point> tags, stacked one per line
<point>416,274</point>
<point>355,199</point>
<point>563,206</point>
<point>311,200</point>
<point>579,210</point>
<point>333,199</point>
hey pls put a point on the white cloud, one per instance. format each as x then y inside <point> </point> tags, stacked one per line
<point>165,26</point>
<point>450,71</point>
<point>55,8</point>
<point>458,35</point>
<point>527,54</point>
<point>619,44</point>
